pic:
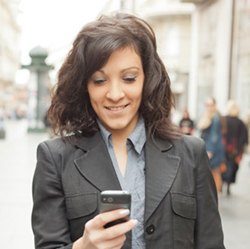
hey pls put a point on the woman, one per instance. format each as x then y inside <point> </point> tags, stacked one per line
<point>186,124</point>
<point>112,109</point>
<point>235,140</point>
<point>213,126</point>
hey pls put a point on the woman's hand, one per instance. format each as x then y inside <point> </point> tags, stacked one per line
<point>95,236</point>
<point>209,154</point>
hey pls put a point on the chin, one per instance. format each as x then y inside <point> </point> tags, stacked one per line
<point>117,126</point>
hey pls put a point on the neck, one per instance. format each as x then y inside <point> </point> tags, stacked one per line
<point>120,137</point>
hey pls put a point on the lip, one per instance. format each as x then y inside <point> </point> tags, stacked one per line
<point>116,109</point>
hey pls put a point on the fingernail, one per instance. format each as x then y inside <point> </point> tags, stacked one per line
<point>124,212</point>
<point>135,222</point>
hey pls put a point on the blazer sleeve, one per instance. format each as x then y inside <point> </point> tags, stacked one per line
<point>208,227</point>
<point>49,220</point>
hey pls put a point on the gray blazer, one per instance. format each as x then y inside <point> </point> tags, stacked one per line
<point>181,202</point>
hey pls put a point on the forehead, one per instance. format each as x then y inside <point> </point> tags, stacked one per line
<point>210,102</point>
<point>124,56</point>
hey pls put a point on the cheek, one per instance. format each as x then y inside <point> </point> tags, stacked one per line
<point>137,97</point>
<point>135,91</point>
<point>95,95</point>
<point>139,92</point>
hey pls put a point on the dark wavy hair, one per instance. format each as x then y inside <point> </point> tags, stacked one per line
<point>71,111</point>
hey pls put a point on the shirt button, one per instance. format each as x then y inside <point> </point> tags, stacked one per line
<point>150,229</point>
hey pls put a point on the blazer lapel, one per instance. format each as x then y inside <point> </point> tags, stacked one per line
<point>96,165</point>
<point>161,170</point>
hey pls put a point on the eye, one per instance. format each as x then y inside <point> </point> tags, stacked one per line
<point>129,78</point>
<point>98,81</point>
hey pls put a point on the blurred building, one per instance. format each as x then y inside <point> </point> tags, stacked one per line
<point>9,52</point>
<point>240,54</point>
<point>220,54</point>
<point>204,45</point>
<point>171,21</point>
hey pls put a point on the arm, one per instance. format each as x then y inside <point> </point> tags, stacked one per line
<point>208,228</point>
<point>49,222</point>
<point>49,218</point>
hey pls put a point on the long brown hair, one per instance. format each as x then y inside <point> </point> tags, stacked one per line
<point>71,112</point>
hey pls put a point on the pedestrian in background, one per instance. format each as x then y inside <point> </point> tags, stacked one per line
<point>111,107</point>
<point>235,139</point>
<point>212,126</point>
<point>186,123</point>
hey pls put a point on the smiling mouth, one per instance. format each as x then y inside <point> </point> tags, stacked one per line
<point>116,108</point>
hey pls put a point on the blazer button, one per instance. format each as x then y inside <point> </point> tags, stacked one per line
<point>150,229</point>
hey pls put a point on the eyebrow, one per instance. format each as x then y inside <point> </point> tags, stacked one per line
<point>126,69</point>
<point>130,69</point>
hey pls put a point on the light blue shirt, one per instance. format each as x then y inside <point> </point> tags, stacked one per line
<point>134,179</point>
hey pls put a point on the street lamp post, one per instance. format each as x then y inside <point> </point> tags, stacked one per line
<point>38,89</point>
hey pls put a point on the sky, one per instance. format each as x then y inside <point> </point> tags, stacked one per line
<point>54,23</point>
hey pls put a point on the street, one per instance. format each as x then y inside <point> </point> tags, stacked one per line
<point>17,164</point>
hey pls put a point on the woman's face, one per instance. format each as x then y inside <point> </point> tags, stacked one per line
<point>115,91</point>
<point>210,105</point>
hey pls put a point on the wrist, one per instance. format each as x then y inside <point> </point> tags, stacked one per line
<point>78,244</point>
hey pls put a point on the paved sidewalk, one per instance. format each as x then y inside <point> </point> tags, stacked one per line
<point>17,164</point>
<point>235,209</point>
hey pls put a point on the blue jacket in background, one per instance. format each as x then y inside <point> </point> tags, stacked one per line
<point>213,139</point>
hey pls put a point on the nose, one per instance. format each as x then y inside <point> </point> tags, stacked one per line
<point>115,91</point>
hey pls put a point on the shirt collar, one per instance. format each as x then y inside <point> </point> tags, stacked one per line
<point>107,136</point>
<point>137,137</point>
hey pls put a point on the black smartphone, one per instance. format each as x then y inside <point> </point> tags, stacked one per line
<point>114,199</point>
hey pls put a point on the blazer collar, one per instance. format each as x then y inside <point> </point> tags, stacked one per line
<point>95,164</point>
<point>162,165</point>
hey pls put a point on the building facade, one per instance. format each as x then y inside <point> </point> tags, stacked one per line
<point>220,54</point>
<point>9,50</point>
<point>205,47</point>
<point>171,21</point>
<point>240,73</point>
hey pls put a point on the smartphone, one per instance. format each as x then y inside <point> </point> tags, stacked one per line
<point>110,200</point>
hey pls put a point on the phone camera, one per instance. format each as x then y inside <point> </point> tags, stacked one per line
<point>110,199</point>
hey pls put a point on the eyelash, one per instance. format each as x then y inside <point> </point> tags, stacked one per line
<point>129,79</point>
<point>125,79</point>
<point>99,81</point>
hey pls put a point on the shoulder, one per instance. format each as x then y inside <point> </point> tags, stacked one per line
<point>235,121</point>
<point>54,150</point>
<point>69,145</point>
<point>55,144</point>
<point>192,153</point>
<point>241,122</point>
<point>58,147</point>
<point>61,152</point>
<point>187,141</point>
<point>189,146</point>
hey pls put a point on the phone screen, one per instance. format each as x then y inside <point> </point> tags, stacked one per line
<point>114,199</point>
